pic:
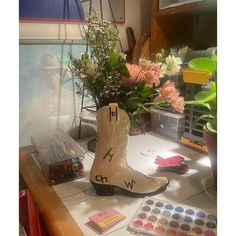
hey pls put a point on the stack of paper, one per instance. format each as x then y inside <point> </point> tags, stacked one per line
<point>106,219</point>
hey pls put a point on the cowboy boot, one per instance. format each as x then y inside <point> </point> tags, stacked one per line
<point>110,169</point>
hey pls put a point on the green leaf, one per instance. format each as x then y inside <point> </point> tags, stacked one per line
<point>145,92</point>
<point>212,87</point>
<point>193,102</point>
<point>132,102</point>
<point>141,85</point>
<point>124,70</point>
<point>206,116</point>
<point>205,96</point>
<point>213,105</point>
<point>211,127</point>
<point>214,57</point>
<point>114,57</point>
<point>203,64</point>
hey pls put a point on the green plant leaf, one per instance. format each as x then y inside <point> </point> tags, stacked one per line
<point>145,92</point>
<point>132,102</point>
<point>141,85</point>
<point>193,102</point>
<point>207,116</point>
<point>211,127</point>
<point>124,70</point>
<point>205,96</point>
<point>202,64</point>
<point>214,56</point>
<point>113,57</point>
<point>212,87</point>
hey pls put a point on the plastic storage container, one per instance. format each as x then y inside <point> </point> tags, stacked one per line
<point>59,156</point>
<point>167,123</point>
<point>173,3</point>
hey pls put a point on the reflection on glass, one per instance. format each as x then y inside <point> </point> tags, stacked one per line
<point>47,96</point>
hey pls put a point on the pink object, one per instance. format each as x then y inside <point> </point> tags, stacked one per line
<point>171,161</point>
<point>148,226</point>
<point>138,223</point>
<point>106,219</point>
<point>169,93</point>
<point>150,73</point>
<point>171,164</point>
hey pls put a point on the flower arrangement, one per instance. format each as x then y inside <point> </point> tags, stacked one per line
<point>108,78</point>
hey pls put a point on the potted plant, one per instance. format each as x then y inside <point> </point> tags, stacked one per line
<point>207,98</point>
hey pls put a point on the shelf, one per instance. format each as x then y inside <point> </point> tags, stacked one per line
<point>190,8</point>
<point>193,24</point>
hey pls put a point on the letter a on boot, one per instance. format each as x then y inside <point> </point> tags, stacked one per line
<point>110,169</point>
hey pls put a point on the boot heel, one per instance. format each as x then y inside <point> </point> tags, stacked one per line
<point>103,189</point>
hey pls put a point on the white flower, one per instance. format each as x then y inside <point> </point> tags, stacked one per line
<point>123,55</point>
<point>143,61</point>
<point>184,50</point>
<point>163,69</point>
<point>172,65</point>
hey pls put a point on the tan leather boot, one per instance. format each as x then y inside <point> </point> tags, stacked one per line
<point>110,169</point>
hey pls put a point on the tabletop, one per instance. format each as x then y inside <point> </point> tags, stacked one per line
<point>66,207</point>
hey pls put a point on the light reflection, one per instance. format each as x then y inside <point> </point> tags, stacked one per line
<point>204,161</point>
<point>174,186</point>
<point>191,172</point>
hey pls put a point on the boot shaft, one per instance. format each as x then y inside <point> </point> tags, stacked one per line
<point>113,128</point>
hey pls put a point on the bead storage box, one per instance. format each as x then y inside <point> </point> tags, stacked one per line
<point>58,155</point>
<point>167,123</point>
<point>158,217</point>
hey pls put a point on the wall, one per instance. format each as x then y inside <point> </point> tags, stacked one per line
<point>137,16</point>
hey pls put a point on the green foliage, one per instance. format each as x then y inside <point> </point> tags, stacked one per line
<point>203,64</point>
<point>102,70</point>
<point>132,99</point>
<point>208,97</point>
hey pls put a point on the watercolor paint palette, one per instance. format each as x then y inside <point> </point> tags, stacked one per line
<point>158,217</point>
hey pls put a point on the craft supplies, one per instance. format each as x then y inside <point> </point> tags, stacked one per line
<point>59,156</point>
<point>159,217</point>
<point>173,164</point>
<point>167,123</point>
<point>106,219</point>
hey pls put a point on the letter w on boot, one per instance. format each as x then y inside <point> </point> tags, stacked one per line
<point>129,184</point>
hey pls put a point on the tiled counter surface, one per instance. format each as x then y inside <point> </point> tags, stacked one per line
<point>81,200</point>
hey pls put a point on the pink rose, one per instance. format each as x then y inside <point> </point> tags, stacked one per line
<point>168,91</point>
<point>136,74</point>
<point>178,104</point>
<point>152,77</point>
<point>148,72</point>
<point>152,74</point>
<point>151,66</point>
